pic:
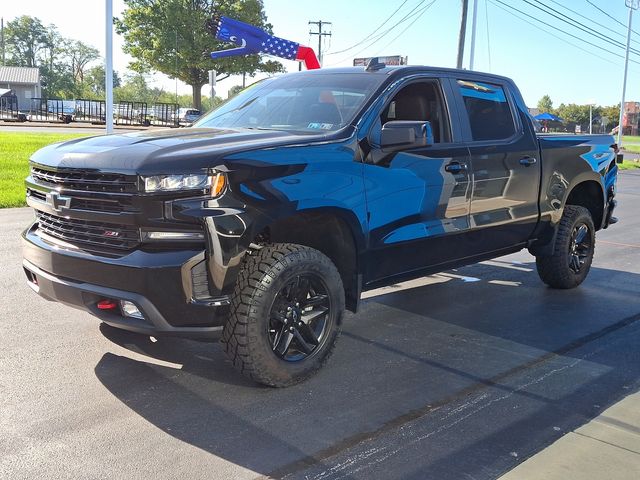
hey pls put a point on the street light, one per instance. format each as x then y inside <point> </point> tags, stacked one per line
<point>632,5</point>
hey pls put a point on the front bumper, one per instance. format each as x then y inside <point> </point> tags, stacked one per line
<point>159,283</point>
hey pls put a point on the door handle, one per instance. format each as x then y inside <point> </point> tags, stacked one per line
<point>527,161</point>
<point>455,167</point>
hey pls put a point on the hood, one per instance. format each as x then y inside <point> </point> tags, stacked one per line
<point>162,151</point>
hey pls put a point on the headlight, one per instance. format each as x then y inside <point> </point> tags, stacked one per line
<point>170,183</point>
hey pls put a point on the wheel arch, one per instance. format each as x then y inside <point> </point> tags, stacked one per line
<point>586,191</point>
<point>332,231</point>
<point>590,195</point>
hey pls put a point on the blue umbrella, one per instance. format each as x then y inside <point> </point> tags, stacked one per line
<point>548,116</point>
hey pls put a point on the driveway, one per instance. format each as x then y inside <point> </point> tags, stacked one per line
<point>459,375</point>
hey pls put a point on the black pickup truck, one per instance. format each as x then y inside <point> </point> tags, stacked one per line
<point>270,216</point>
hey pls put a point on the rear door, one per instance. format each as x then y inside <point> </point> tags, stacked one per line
<point>505,168</point>
<point>417,198</point>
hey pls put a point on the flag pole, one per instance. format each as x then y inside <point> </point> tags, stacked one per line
<point>108,78</point>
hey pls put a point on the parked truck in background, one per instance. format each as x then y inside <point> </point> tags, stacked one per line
<point>271,215</point>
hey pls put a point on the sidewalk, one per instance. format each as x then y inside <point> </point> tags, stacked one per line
<point>608,447</point>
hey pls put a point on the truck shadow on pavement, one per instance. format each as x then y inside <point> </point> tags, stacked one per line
<point>468,376</point>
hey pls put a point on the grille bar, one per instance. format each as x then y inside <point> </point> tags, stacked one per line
<point>120,204</point>
<point>83,180</point>
<point>88,233</point>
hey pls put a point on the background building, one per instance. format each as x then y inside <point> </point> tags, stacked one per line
<point>24,82</point>
<point>631,118</point>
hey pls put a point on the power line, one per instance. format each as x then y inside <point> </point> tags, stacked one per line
<point>566,33</point>
<point>580,26</point>
<point>554,35</point>
<point>589,19</point>
<point>371,34</point>
<point>407,27</point>
<point>610,16</point>
<point>381,35</point>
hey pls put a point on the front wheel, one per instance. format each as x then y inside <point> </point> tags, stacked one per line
<point>285,315</point>
<point>570,262</point>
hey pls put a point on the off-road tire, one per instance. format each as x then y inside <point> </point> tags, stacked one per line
<point>263,274</point>
<point>555,269</point>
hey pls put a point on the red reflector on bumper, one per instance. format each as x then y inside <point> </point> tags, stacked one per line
<point>107,304</point>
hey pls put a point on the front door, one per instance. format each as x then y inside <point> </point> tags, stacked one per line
<point>418,199</point>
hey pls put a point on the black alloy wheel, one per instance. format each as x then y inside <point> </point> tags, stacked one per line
<point>298,318</point>
<point>285,315</point>
<point>569,263</point>
<point>580,247</point>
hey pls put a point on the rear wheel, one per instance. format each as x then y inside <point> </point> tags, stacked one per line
<point>285,315</point>
<point>570,262</point>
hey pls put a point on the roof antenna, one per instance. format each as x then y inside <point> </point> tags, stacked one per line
<point>373,65</point>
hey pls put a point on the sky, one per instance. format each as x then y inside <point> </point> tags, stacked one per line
<point>542,59</point>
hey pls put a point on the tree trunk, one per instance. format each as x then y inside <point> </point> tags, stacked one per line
<point>197,96</point>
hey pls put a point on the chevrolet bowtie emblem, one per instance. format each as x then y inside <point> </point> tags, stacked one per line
<point>57,201</point>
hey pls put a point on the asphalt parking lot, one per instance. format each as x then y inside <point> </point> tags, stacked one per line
<point>460,375</point>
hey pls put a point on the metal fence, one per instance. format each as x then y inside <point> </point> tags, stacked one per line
<point>51,110</point>
<point>94,111</point>
<point>164,114</point>
<point>9,109</point>
<point>131,113</point>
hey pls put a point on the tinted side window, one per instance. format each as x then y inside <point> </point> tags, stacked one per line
<point>420,101</point>
<point>488,110</point>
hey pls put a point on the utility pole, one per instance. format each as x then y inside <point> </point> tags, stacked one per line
<point>632,5</point>
<point>320,34</point>
<point>463,32</point>
<point>474,21</point>
<point>2,38</point>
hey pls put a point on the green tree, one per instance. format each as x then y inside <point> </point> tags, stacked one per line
<point>170,36</point>
<point>79,54</point>
<point>134,89</point>
<point>612,116</point>
<point>62,62</point>
<point>573,113</point>
<point>208,104</point>
<point>25,38</point>
<point>545,104</point>
<point>54,71</point>
<point>94,79</point>
<point>233,91</point>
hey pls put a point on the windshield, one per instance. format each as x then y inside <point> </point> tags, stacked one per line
<point>308,103</point>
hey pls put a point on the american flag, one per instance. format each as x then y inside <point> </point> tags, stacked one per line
<point>280,47</point>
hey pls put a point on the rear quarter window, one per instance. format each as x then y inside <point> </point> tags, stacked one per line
<point>490,117</point>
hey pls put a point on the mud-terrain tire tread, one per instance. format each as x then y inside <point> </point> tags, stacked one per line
<point>554,269</point>
<point>260,269</point>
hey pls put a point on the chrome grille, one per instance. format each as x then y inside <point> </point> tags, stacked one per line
<point>89,234</point>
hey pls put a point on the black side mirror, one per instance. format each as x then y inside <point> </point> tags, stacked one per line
<point>406,133</point>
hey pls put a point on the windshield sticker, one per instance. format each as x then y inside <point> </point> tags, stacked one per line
<point>321,126</point>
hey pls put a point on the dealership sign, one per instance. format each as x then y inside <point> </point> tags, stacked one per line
<point>395,60</point>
